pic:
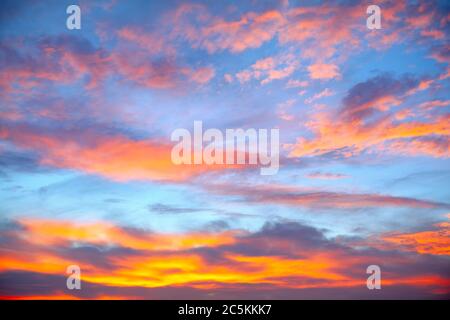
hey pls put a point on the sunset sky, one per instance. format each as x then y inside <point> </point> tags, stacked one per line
<point>86,176</point>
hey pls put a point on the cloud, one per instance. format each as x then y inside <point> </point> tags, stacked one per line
<point>423,19</point>
<point>228,77</point>
<point>318,199</point>
<point>435,242</point>
<point>379,92</point>
<point>115,157</point>
<point>364,121</point>
<point>441,53</point>
<point>347,140</point>
<point>268,69</point>
<point>62,59</point>
<point>55,119</point>
<point>202,75</point>
<point>434,33</point>
<point>214,34</point>
<point>320,30</point>
<point>324,93</point>
<point>167,209</point>
<point>323,71</point>
<point>283,110</point>
<point>67,59</point>
<point>296,83</point>
<point>152,42</point>
<point>438,147</point>
<point>434,103</point>
<point>157,73</point>
<point>124,262</point>
<point>326,175</point>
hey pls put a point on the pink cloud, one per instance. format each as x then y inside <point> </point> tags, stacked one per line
<point>434,103</point>
<point>202,75</point>
<point>283,110</point>
<point>214,33</point>
<point>324,93</point>
<point>269,69</point>
<point>434,33</point>
<point>228,77</point>
<point>326,175</point>
<point>152,42</point>
<point>323,71</point>
<point>296,83</point>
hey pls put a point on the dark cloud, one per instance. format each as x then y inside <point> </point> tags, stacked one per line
<point>295,232</point>
<point>320,199</point>
<point>101,257</point>
<point>21,161</point>
<point>10,225</point>
<point>216,225</point>
<point>161,208</point>
<point>363,98</point>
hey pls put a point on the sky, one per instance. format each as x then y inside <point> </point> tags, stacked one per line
<point>87,179</point>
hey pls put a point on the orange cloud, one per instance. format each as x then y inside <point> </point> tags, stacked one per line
<point>54,296</point>
<point>306,260</point>
<point>334,135</point>
<point>436,242</point>
<point>434,147</point>
<point>116,157</point>
<point>167,261</point>
<point>49,232</point>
